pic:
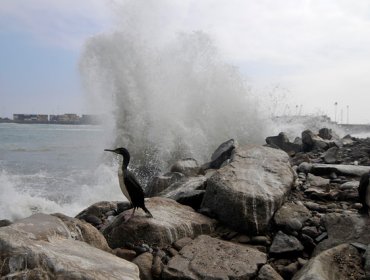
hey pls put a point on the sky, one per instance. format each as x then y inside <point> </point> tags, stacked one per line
<point>308,54</point>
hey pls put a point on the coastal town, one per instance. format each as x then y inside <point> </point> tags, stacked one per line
<point>52,119</point>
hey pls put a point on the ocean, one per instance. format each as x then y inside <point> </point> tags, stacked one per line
<point>54,168</point>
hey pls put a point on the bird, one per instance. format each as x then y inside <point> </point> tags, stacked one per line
<point>130,187</point>
<point>364,193</point>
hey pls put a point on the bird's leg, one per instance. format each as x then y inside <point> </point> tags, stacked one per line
<point>133,213</point>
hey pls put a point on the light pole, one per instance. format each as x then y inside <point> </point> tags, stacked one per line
<point>347,114</point>
<point>335,111</point>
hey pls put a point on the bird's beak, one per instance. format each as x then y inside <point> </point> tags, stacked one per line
<point>107,150</point>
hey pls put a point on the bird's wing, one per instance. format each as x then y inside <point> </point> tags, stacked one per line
<point>136,193</point>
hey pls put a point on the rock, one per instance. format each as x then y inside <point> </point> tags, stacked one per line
<point>282,142</point>
<point>161,182</point>
<point>291,211</point>
<point>340,263</point>
<point>126,254</point>
<point>316,181</point>
<point>313,142</point>
<point>245,194</point>
<point>349,170</point>
<point>299,158</point>
<point>326,133</point>
<point>188,167</point>
<point>289,270</point>
<point>268,273</point>
<point>171,222</point>
<point>311,231</point>
<point>188,191</point>
<point>260,240</point>
<point>157,267</point>
<point>313,206</point>
<point>44,247</point>
<point>344,228</point>
<point>330,156</point>
<point>305,167</point>
<point>144,262</point>
<point>221,155</point>
<point>97,210</point>
<point>5,223</point>
<point>347,140</point>
<point>284,244</point>
<point>367,262</point>
<point>211,258</point>
<point>181,243</point>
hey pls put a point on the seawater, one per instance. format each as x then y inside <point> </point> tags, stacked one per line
<point>54,168</point>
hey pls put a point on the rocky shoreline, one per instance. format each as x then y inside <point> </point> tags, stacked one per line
<point>286,210</point>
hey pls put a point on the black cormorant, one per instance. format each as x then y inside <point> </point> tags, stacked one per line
<point>129,185</point>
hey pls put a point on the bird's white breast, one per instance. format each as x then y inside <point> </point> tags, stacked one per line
<point>122,185</point>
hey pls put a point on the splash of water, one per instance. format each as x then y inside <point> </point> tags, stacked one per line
<point>169,99</point>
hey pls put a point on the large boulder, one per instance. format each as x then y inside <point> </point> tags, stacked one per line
<point>211,258</point>
<point>171,222</point>
<point>344,228</point>
<point>189,191</point>
<point>340,263</point>
<point>44,247</point>
<point>246,193</point>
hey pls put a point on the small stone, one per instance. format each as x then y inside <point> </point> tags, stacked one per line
<point>308,243</point>
<point>123,206</point>
<point>268,273</point>
<point>5,223</point>
<point>310,231</point>
<point>126,254</point>
<point>357,206</point>
<point>301,262</point>
<point>321,237</point>
<point>172,252</point>
<point>244,239</point>
<point>144,262</point>
<point>179,244</point>
<point>157,267</point>
<point>285,244</point>
<point>91,219</point>
<point>289,270</point>
<point>294,224</point>
<point>260,240</point>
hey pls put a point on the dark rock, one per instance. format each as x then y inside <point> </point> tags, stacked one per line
<point>211,258</point>
<point>313,142</point>
<point>326,133</point>
<point>123,206</point>
<point>125,254</point>
<point>330,156</point>
<point>161,182</point>
<point>5,223</point>
<point>316,181</point>
<point>157,267</point>
<point>188,167</point>
<point>188,191</point>
<point>260,240</point>
<point>91,219</point>
<point>299,158</point>
<point>310,231</point>
<point>349,170</point>
<point>171,222</point>
<point>245,194</point>
<point>221,155</point>
<point>308,243</point>
<point>289,270</point>
<point>282,142</point>
<point>340,263</point>
<point>284,244</point>
<point>313,206</point>
<point>181,243</point>
<point>144,262</point>
<point>367,262</point>
<point>98,210</point>
<point>268,273</point>
<point>321,237</point>
<point>305,167</point>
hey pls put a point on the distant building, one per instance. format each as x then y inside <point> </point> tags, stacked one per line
<point>90,119</point>
<point>65,119</point>
<point>32,118</point>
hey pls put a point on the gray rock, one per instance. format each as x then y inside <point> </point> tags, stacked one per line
<point>330,156</point>
<point>188,167</point>
<point>97,210</point>
<point>316,181</point>
<point>313,142</point>
<point>45,247</point>
<point>181,243</point>
<point>285,244</point>
<point>326,133</point>
<point>339,263</point>
<point>268,273</point>
<point>171,222</point>
<point>311,231</point>
<point>221,155</point>
<point>211,258</point>
<point>188,191</point>
<point>291,212</point>
<point>349,170</point>
<point>157,267</point>
<point>245,194</point>
<point>313,206</point>
<point>349,185</point>
<point>282,142</point>
<point>144,262</point>
<point>344,228</point>
<point>161,182</point>
<point>305,167</point>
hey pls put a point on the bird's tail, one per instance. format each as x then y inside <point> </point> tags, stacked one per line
<point>147,211</point>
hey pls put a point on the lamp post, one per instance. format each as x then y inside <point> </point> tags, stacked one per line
<point>335,111</point>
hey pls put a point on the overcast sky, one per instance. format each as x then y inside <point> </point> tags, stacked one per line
<point>315,52</point>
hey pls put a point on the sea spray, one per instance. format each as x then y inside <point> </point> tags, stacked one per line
<point>169,99</point>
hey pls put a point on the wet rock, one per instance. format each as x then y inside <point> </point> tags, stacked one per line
<point>326,133</point>
<point>316,181</point>
<point>349,170</point>
<point>171,222</point>
<point>260,240</point>
<point>344,228</point>
<point>157,267</point>
<point>5,223</point>
<point>284,244</point>
<point>144,262</point>
<point>311,231</point>
<point>291,212</point>
<point>245,194</point>
<point>188,191</point>
<point>47,248</point>
<point>340,263</point>
<point>188,167</point>
<point>181,243</point>
<point>289,270</point>
<point>349,185</point>
<point>282,142</point>
<point>161,182</point>
<point>97,211</point>
<point>221,155</point>
<point>299,158</point>
<point>313,206</point>
<point>305,167</point>
<point>210,258</point>
<point>367,262</point>
<point>268,273</point>
<point>123,206</point>
<point>313,142</point>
